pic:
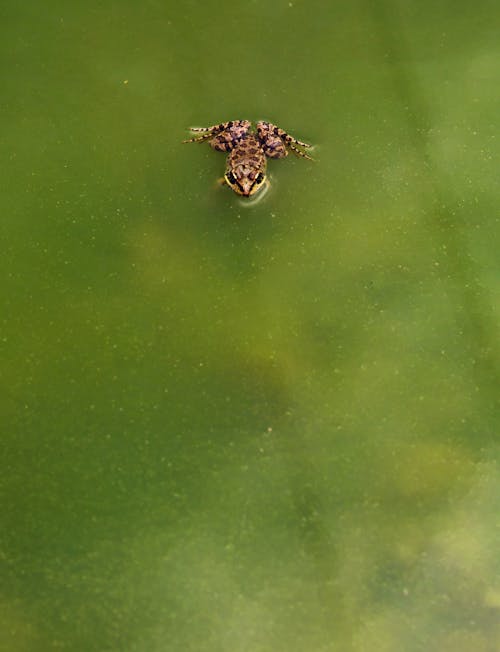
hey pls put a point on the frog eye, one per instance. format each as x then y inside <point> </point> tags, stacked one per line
<point>230,177</point>
<point>260,178</point>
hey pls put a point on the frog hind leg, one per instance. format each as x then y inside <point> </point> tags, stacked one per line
<point>222,137</point>
<point>276,141</point>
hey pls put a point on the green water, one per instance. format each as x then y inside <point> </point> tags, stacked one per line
<point>265,428</point>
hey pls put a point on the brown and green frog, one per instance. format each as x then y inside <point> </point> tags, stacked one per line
<point>248,151</point>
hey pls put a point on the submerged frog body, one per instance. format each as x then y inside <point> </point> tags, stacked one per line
<point>248,151</point>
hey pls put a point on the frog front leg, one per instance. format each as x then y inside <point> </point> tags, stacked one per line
<point>275,141</point>
<point>222,137</point>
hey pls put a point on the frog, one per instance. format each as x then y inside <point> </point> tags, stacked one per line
<point>248,151</point>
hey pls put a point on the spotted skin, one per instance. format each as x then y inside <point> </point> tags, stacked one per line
<point>276,141</point>
<point>248,151</point>
<point>246,166</point>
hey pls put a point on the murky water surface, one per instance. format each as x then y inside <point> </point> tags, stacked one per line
<point>251,428</point>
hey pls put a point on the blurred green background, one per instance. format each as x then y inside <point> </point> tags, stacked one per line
<point>269,427</point>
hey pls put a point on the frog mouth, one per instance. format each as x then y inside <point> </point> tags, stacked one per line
<point>258,194</point>
<point>244,181</point>
<point>245,187</point>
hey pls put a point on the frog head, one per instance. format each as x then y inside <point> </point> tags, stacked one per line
<point>245,180</point>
